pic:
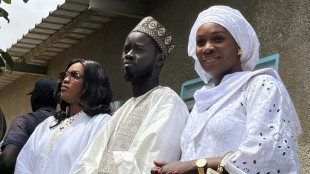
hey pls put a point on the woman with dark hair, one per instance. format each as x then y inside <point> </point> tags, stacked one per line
<point>84,95</point>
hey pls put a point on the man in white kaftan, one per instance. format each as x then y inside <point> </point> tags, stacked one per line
<point>149,125</point>
<point>143,129</point>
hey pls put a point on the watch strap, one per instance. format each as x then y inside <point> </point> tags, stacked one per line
<point>220,168</point>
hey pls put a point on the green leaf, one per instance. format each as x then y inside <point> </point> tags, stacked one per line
<point>25,1</point>
<point>9,61</point>
<point>7,1</point>
<point>1,62</point>
<point>4,14</point>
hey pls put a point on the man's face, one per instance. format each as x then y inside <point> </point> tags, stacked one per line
<point>138,57</point>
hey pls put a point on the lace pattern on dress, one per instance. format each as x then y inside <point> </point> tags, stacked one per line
<point>258,123</point>
<point>63,126</point>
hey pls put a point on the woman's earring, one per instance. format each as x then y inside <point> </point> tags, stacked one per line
<point>239,51</point>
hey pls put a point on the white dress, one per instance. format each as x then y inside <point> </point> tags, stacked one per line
<point>50,151</point>
<point>144,129</point>
<point>257,121</point>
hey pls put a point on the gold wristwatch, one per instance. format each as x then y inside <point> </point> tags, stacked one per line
<point>220,168</point>
<point>201,164</point>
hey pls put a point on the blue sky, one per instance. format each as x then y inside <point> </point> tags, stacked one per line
<point>23,16</point>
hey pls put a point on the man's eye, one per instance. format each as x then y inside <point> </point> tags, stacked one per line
<point>140,49</point>
<point>126,50</point>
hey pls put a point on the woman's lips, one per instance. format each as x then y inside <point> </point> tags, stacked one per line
<point>210,59</point>
<point>63,87</point>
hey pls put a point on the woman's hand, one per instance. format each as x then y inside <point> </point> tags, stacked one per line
<point>174,167</point>
<point>157,168</point>
<point>182,167</point>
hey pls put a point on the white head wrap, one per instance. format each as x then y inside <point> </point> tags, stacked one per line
<point>239,28</point>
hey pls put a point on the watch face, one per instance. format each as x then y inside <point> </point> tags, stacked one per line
<point>220,170</point>
<point>201,162</point>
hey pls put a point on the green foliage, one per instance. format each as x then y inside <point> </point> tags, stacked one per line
<point>4,14</point>
<point>8,59</point>
<point>7,1</point>
<point>5,56</point>
<point>2,125</point>
<point>2,64</point>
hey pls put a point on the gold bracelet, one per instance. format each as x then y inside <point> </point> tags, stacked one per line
<point>220,168</point>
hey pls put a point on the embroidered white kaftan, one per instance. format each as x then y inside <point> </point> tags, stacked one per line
<point>50,151</point>
<point>144,129</point>
<point>257,122</point>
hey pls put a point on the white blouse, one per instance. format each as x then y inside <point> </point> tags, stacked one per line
<point>55,150</point>
<point>258,123</point>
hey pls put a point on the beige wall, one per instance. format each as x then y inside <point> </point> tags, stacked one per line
<point>14,100</point>
<point>282,27</point>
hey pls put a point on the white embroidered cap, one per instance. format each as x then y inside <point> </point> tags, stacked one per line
<point>239,28</point>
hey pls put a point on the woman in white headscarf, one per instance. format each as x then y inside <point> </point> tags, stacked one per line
<point>246,122</point>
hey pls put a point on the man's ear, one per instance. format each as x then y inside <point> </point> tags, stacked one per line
<point>160,59</point>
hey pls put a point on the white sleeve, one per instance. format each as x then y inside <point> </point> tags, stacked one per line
<point>270,142</point>
<point>98,123</point>
<point>26,160</point>
<point>158,137</point>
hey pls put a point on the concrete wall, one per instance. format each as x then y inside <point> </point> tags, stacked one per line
<point>14,100</point>
<point>282,27</point>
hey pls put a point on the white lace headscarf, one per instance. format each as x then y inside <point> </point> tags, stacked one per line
<point>238,27</point>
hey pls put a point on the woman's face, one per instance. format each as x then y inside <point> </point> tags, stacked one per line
<point>217,50</point>
<point>72,85</point>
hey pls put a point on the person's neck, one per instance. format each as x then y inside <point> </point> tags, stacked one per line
<point>217,78</point>
<point>74,109</point>
<point>143,87</point>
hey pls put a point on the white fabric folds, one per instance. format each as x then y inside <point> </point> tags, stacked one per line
<point>207,96</point>
<point>51,151</point>
<point>239,28</point>
<point>256,120</point>
<point>157,138</point>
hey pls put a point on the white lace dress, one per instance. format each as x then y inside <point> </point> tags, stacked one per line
<point>258,122</point>
<point>51,151</point>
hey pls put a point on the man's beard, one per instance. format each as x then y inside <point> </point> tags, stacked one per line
<point>138,76</point>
